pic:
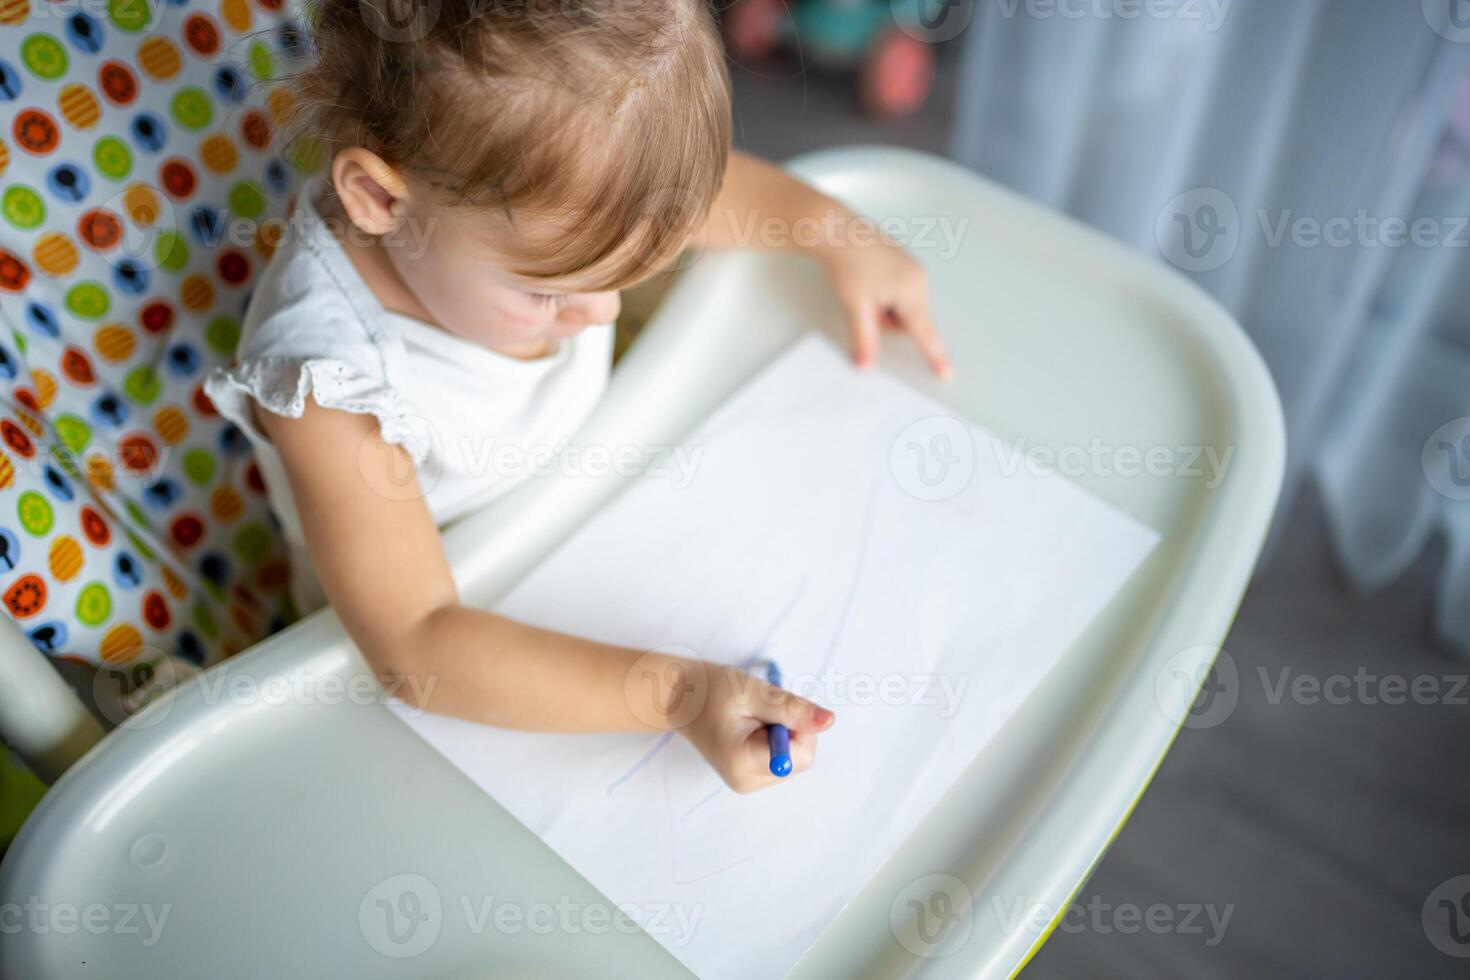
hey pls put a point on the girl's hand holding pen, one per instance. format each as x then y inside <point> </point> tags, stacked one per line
<point>728,714</point>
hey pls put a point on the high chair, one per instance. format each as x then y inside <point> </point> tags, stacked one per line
<point>278,817</point>
<point>265,825</point>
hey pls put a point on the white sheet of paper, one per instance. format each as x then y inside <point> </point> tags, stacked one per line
<point>804,536</point>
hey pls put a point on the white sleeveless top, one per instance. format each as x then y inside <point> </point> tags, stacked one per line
<point>475,422</point>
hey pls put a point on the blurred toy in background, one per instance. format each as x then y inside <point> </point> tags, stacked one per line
<point>895,69</point>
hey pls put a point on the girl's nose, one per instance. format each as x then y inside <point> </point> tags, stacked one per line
<point>587,309</point>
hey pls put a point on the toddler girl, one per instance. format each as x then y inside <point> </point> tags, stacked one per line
<point>498,171</point>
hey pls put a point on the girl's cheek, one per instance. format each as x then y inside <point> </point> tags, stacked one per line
<point>517,315</point>
<point>517,323</point>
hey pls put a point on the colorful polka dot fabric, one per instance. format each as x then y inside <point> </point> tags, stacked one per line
<point>140,183</point>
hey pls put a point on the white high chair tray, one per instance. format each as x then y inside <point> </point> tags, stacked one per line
<point>267,826</point>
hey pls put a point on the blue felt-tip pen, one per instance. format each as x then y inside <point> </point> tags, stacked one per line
<point>778,735</point>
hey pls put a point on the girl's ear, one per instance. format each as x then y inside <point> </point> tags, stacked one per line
<point>373,194</point>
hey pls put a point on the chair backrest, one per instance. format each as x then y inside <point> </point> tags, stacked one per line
<point>142,186</point>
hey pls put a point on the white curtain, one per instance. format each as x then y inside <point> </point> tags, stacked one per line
<point>1308,163</point>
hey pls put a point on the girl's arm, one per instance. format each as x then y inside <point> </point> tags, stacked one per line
<point>878,283</point>
<point>404,613</point>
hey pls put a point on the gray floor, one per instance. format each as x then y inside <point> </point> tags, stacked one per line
<point>1321,829</point>
<point>1322,826</point>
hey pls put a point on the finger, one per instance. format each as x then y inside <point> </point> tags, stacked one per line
<point>755,754</point>
<point>920,326</point>
<point>862,325</point>
<point>755,757</point>
<point>803,751</point>
<point>774,706</point>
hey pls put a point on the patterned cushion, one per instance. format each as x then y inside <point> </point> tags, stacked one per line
<point>141,190</point>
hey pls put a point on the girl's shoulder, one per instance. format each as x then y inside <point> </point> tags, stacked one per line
<point>311,302</point>
<point>314,330</point>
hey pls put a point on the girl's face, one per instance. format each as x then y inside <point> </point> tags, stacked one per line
<point>450,259</point>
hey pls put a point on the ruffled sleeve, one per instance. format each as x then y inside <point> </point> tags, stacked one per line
<point>304,336</point>
<point>280,385</point>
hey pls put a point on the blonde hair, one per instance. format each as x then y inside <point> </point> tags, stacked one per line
<point>609,119</point>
